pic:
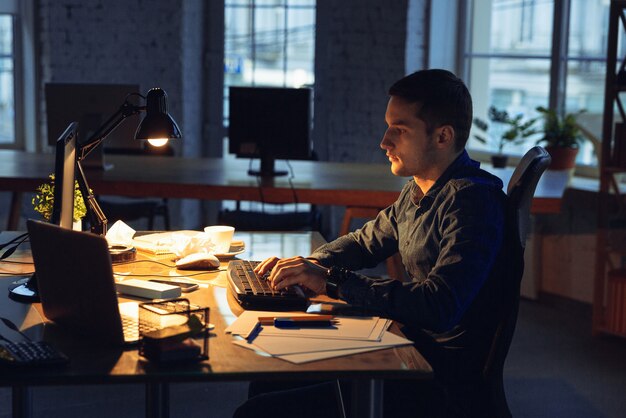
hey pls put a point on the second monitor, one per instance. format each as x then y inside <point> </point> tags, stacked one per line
<point>270,123</point>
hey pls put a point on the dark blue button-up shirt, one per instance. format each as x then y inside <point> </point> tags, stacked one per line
<point>449,241</point>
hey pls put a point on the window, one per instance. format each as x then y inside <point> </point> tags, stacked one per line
<point>516,59</point>
<point>7,80</point>
<point>268,43</point>
<point>17,75</point>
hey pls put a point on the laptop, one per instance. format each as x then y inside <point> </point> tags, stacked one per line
<point>76,284</point>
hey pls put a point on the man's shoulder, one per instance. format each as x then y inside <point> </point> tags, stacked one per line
<point>475,177</point>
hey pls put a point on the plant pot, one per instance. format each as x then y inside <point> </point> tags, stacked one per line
<point>499,160</point>
<point>562,158</point>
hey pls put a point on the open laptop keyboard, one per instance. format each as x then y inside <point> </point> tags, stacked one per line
<point>254,292</point>
<point>130,327</point>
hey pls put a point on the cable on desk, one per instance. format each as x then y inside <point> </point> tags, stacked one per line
<point>162,275</point>
<point>17,241</point>
<point>19,237</point>
<point>168,276</point>
<point>293,189</point>
<point>144,261</point>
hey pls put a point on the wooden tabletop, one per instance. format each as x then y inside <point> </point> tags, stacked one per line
<point>93,363</point>
<point>366,185</point>
<point>324,183</point>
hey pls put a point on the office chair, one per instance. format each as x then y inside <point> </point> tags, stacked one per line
<point>249,220</point>
<point>520,193</point>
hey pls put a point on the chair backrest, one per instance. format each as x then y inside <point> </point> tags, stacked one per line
<point>520,194</point>
<point>522,188</point>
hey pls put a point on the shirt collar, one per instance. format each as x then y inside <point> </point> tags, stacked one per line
<point>459,165</point>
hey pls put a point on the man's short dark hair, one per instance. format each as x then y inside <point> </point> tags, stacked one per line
<point>444,100</point>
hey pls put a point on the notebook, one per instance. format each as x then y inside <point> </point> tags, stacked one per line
<point>76,285</point>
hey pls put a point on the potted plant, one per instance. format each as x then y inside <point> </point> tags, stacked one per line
<point>516,132</point>
<point>561,138</point>
<point>44,199</point>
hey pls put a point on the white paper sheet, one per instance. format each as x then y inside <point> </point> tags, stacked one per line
<point>302,350</point>
<point>307,357</point>
<point>277,346</point>
<point>348,328</point>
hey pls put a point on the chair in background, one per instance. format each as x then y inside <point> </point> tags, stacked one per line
<point>520,194</point>
<point>251,220</point>
<point>128,209</point>
<point>279,217</point>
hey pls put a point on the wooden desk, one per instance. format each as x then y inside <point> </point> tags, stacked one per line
<point>94,364</point>
<point>366,187</point>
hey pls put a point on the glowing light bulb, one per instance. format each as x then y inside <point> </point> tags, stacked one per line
<point>158,142</point>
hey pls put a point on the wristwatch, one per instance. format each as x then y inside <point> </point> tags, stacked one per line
<point>335,277</point>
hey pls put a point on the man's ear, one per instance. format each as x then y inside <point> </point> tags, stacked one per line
<point>445,136</point>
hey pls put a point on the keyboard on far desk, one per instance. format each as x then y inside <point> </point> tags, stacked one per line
<point>254,292</point>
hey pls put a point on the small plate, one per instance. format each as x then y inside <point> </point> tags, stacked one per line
<point>234,250</point>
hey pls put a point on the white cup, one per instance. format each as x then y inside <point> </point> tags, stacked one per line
<point>221,237</point>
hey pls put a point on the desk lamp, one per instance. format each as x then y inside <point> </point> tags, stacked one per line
<point>157,127</point>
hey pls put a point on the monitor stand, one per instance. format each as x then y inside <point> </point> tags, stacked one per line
<point>267,168</point>
<point>24,290</point>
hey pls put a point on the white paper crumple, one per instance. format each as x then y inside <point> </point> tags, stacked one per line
<point>185,244</point>
<point>120,234</point>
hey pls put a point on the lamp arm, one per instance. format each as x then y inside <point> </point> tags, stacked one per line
<point>97,219</point>
<point>126,109</point>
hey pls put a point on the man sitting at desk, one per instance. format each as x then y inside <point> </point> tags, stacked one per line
<point>448,225</point>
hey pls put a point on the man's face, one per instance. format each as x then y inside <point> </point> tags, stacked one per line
<point>411,151</point>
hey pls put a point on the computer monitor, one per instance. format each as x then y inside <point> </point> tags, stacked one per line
<point>64,177</point>
<point>25,290</point>
<point>270,123</point>
<point>90,105</point>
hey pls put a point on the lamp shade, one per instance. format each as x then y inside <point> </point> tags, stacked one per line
<point>157,124</point>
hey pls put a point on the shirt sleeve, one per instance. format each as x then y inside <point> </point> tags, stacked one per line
<point>471,223</point>
<point>367,246</point>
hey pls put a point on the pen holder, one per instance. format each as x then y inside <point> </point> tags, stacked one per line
<point>173,331</point>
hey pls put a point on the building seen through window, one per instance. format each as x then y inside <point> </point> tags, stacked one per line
<point>510,53</point>
<point>7,80</point>
<point>268,43</point>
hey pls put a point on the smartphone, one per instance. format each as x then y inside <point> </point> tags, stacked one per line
<point>184,286</point>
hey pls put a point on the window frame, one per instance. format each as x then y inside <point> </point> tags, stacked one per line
<point>24,74</point>
<point>252,6</point>
<point>559,59</point>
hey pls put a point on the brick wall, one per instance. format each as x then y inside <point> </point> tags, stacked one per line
<point>118,41</point>
<point>360,52</point>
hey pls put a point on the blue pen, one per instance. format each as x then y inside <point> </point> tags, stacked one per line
<point>254,333</point>
<point>291,323</point>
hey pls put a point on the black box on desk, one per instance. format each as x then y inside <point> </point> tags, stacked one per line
<point>173,331</point>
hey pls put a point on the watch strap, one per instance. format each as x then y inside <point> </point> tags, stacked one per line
<point>335,277</point>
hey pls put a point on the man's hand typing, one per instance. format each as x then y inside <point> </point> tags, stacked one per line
<point>294,271</point>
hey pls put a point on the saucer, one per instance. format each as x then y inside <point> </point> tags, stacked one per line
<point>233,251</point>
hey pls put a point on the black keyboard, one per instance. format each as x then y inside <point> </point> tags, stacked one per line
<point>254,292</point>
<point>30,353</point>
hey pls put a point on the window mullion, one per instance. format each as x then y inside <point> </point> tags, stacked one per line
<point>285,42</point>
<point>558,65</point>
